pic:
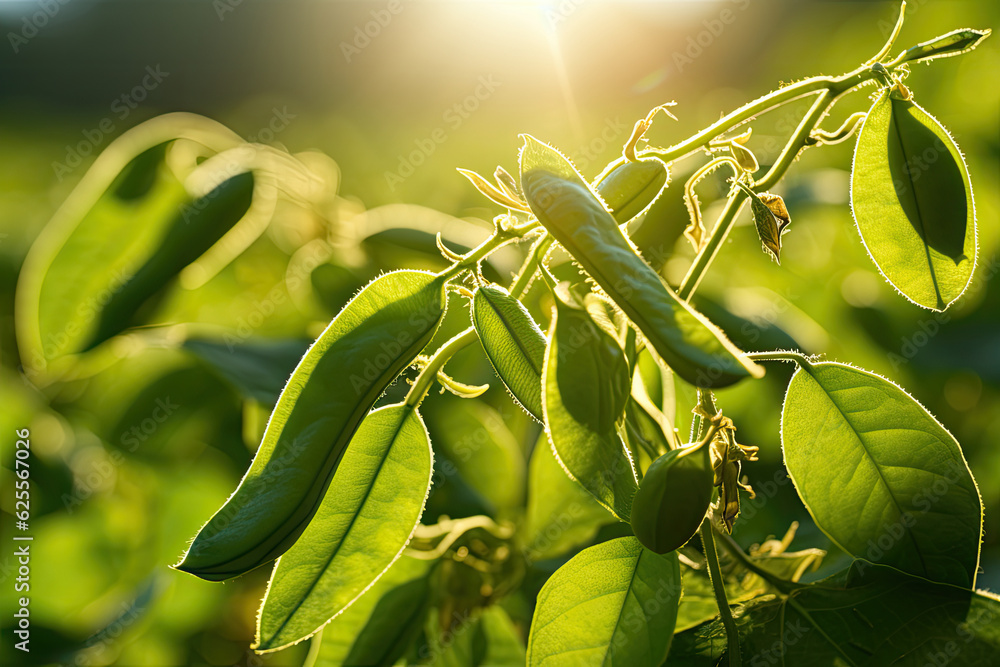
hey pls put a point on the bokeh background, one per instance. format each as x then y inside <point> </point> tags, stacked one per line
<point>433,86</point>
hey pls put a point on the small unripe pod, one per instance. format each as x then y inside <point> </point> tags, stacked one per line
<point>672,500</point>
<point>631,187</point>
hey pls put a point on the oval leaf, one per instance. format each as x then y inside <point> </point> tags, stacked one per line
<point>361,528</point>
<point>880,475</point>
<point>375,337</point>
<point>586,387</point>
<point>513,342</point>
<point>612,604</point>
<point>912,200</point>
<point>692,346</point>
<point>395,622</point>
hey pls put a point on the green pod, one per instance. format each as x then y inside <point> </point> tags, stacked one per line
<point>585,390</point>
<point>195,229</point>
<point>684,339</point>
<point>513,342</point>
<point>374,338</point>
<point>630,188</point>
<point>672,500</point>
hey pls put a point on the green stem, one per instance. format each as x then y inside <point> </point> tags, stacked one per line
<point>428,374</point>
<point>530,266</point>
<point>500,237</point>
<point>798,141</point>
<point>781,355</point>
<point>719,587</point>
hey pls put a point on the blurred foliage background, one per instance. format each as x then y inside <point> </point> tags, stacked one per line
<point>118,491</point>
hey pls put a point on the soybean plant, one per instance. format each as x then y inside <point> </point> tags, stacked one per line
<point>336,493</point>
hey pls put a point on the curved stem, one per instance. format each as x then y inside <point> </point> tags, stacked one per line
<point>531,264</point>
<point>719,587</point>
<point>781,355</point>
<point>721,230</point>
<point>428,374</point>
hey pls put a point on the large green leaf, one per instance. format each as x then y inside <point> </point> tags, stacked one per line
<point>376,336</point>
<point>612,604</point>
<point>353,630</point>
<point>561,513</point>
<point>866,616</point>
<point>513,342</point>
<point>257,369</point>
<point>693,347</point>
<point>365,521</point>
<point>879,474</point>
<point>912,199</point>
<point>475,438</point>
<point>585,390</point>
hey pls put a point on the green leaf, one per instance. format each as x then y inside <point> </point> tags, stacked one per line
<point>504,647</point>
<point>375,337</point>
<point>685,340</point>
<point>879,474</point>
<point>698,601</point>
<point>475,438</point>
<point>561,513</point>
<point>585,390</point>
<point>514,344</point>
<point>361,528</point>
<point>89,250</point>
<point>612,604</point>
<point>364,619</point>
<point>395,622</point>
<point>912,200</point>
<point>485,638</point>
<point>257,369</point>
<point>866,616</point>
<point>195,229</point>
<point>770,217</point>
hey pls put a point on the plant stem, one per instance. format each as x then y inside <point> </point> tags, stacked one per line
<point>428,373</point>
<point>719,587</point>
<point>780,355</point>
<point>500,237</point>
<point>531,264</point>
<point>706,256</point>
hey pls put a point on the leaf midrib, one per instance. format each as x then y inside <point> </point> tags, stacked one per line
<point>916,203</point>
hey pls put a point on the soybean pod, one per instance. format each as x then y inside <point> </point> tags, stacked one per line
<point>631,188</point>
<point>684,339</point>
<point>374,338</point>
